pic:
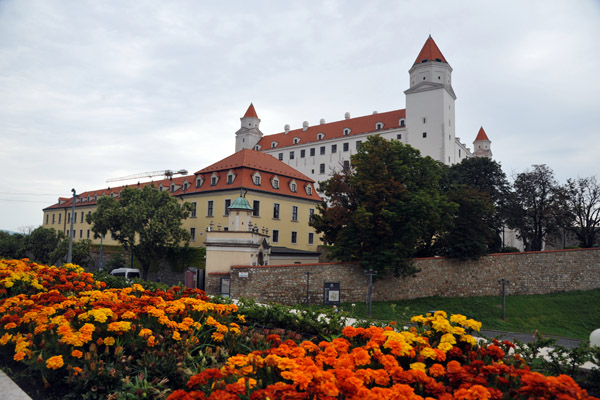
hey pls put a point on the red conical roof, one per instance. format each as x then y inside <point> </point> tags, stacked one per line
<point>430,52</point>
<point>251,112</point>
<point>481,135</point>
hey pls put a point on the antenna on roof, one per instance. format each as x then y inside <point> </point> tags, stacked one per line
<point>167,173</point>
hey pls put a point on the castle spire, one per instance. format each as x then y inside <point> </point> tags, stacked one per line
<point>251,112</point>
<point>249,133</point>
<point>482,145</point>
<point>430,52</point>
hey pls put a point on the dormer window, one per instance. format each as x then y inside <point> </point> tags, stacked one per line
<point>160,189</point>
<point>257,147</point>
<point>274,144</point>
<point>296,140</point>
<point>309,190</point>
<point>347,131</point>
<point>198,182</point>
<point>214,179</point>
<point>172,187</point>
<point>379,125</point>
<point>256,179</point>
<point>275,183</point>
<point>230,177</point>
<point>293,186</point>
<point>185,186</point>
<point>402,122</point>
<point>320,136</point>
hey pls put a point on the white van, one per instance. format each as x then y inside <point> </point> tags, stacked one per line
<point>128,273</point>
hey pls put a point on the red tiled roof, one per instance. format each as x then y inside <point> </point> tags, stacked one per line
<point>430,52</point>
<point>481,135</point>
<point>251,112</point>
<point>358,125</point>
<point>254,160</point>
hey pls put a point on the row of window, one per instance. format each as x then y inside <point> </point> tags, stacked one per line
<point>68,218</point>
<point>256,179</point>
<point>322,150</point>
<point>274,236</point>
<point>210,209</point>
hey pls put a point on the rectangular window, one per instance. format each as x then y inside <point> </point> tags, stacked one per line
<point>227,204</point>
<point>81,234</point>
<point>47,218</point>
<point>424,134</point>
<point>193,212</point>
<point>88,233</point>
<point>68,218</point>
<point>346,146</point>
<point>229,179</point>
<point>275,236</point>
<point>346,164</point>
<point>312,151</point>
<point>334,148</point>
<point>75,217</point>
<point>311,212</point>
<point>213,181</point>
<point>59,218</point>
<point>198,182</point>
<point>322,150</point>
<point>399,136</point>
<point>53,218</point>
<point>82,220</point>
<point>294,237</point>
<point>276,211</point>
<point>302,153</point>
<point>294,213</point>
<point>322,168</point>
<point>358,142</point>
<point>192,234</point>
<point>209,208</point>
<point>280,156</point>
<point>291,155</point>
<point>256,208</point>
<point>311,238</point>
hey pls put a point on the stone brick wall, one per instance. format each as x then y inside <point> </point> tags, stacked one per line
<point>528,273</point>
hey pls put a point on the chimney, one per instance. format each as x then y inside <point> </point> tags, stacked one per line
<point>305,126</point>
<point>286,128</point>
<point>347,115</point>
<point>322,121</point>
<point>374,112</point>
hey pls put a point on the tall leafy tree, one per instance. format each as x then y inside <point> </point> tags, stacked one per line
<point>41,242</point>
<point>535,207</point>
<point>377,212</point>
<point>146,221</point>
<point>486,176</point>
<point>582,197</point>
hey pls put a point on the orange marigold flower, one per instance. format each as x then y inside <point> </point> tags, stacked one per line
<point>152,341</point>
<point>76,354</point>
<point>55,362</point>
<point>437,370</point>
<point>109,341</point>
<point>475,392</point>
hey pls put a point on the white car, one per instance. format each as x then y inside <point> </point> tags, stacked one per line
<point>128,273</point>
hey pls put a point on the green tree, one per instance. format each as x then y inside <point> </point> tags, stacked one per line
<point>377,212</point>
<point>486,176</point>
<point>535,206</point>
<point>12,245</point>
<point>80,253</point>
<point>582,198</point>
<point>40,244</point>
<point>473,230</point>
<point>146,221</point>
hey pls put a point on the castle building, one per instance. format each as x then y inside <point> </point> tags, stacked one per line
<point>282,200</point>
<point>427,124</point>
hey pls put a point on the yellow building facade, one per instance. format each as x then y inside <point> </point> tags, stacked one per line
<point>282,198</point>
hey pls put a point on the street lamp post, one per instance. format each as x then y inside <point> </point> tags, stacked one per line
<point>70,254</point>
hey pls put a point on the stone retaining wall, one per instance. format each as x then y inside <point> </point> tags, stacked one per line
<point>528,273</point>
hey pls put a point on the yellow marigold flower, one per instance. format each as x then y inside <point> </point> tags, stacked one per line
<point>109,341</point>
<point>428,352</point>
<point>448,338</point>
<point>5,338</point>
<point>469,339</point>
<point>472,324</point>
<point>218,336</point>
<point>76,354</point>
<point>241,317</point>
<point>128,315</point>
<point>55,362</point>
<point>176,335</point>
<point>145,332</point>
<point>119,326</point>
<point>445,347</point>
<point>251,382</point>
<point>419,319</point>
<point>419,366</point>
<point>458,319</point>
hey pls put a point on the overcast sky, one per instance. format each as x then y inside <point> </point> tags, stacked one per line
<point>91,90</point>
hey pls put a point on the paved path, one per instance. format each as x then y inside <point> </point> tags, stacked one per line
<point>528,338</point>
<point>9,390</point>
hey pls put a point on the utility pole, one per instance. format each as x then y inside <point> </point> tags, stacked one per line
<point>370,274</point>
<point>70,254</point>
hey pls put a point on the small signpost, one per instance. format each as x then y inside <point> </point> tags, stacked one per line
<point>331,293</point>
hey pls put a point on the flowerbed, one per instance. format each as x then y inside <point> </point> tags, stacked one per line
<point>62,325</point>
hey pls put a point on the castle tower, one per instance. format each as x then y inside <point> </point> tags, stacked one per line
<point>482,145</point>
<point>430,105</point>
<point>239,215</point>
<point>249,134</point>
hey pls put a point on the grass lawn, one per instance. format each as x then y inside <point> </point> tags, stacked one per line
<point>568,314</point>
